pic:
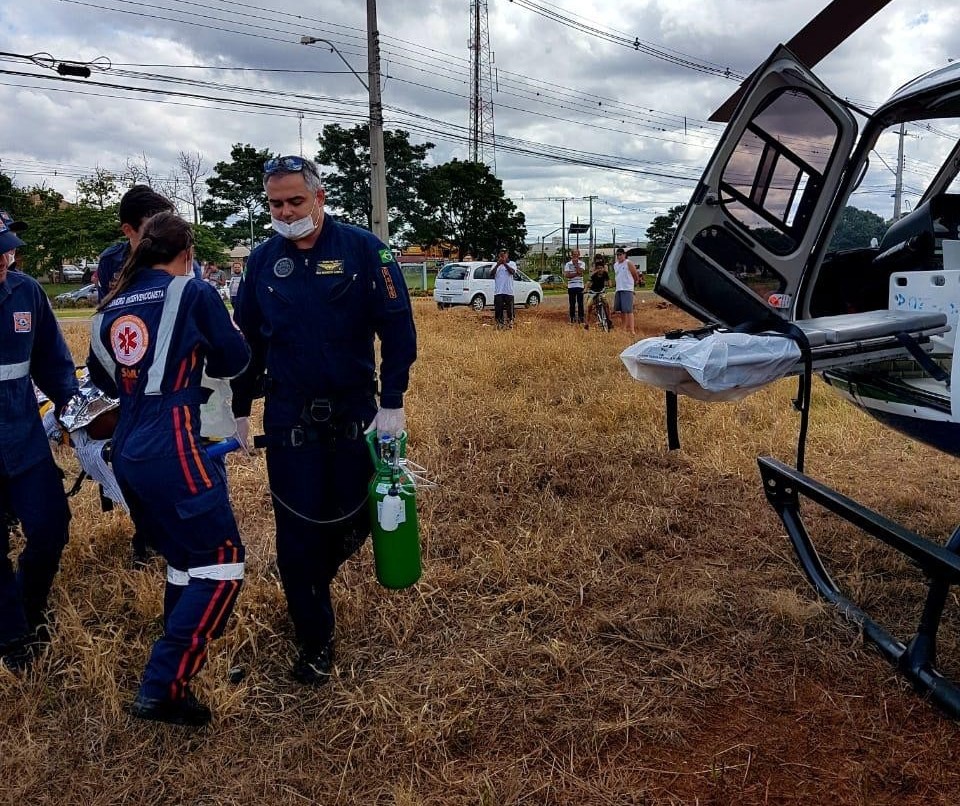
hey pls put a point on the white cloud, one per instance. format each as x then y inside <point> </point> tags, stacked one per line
<point>556,86</point>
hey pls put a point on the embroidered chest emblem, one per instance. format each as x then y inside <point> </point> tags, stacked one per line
<point>283,267</point>
<point>22,321</point>
<point>129,339</point>
<point>329,267</point>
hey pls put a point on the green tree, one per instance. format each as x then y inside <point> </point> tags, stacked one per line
<point>856,228</point>
<point>659,234</point>
<point>99,190</point>
<point>236,205</point>
<point>60,232</point>
<point>208,247</point>
<point>12,199</point>
<point>464,203</point>
<point>347,153</point>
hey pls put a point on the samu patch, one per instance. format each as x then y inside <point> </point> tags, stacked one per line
<point>388,281</point>
<point>22,322</point>
<point>386,256</point>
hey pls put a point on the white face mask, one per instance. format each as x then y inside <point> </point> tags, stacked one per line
<point>295,230</point>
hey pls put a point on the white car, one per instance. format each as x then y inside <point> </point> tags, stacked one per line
<point>71,273</point>
<point>471,283</point>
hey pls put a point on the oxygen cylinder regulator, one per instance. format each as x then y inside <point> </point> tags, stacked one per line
<point>393,513</point>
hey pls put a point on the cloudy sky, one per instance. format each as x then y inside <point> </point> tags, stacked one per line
<point>577,111</point>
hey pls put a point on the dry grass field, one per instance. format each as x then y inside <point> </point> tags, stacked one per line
<point>600,621</point>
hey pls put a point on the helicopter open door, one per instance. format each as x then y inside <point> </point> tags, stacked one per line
<point>742,246</point>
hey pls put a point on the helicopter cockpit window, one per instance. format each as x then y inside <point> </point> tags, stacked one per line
<point>772,180</point>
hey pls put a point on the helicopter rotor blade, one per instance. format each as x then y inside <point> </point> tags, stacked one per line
<point>830,28</point>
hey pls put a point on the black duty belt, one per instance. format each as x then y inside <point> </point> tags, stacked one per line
<point>321,422</point>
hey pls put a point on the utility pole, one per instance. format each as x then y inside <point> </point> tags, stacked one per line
<point>898,187</point>
<point>378,168</point>
<point>592,243</point>
<point>563,220</point>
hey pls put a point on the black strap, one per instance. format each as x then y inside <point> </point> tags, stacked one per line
<point>672,404</point>
<point>777,327</point>
<point>933,369</point>
<point>673,430</point>
<point>76,485</point>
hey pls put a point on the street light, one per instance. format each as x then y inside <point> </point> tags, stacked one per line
<point>543,250</point>
<point>378,172</point>
<point>312,40</point>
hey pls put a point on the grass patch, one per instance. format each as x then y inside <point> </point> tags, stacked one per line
<point>600,621</point>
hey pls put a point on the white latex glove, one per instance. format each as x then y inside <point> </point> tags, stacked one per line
<point>243,432</point>
<point>388,422</point>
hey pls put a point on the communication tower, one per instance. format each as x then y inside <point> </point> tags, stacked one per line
<point>481,87</point>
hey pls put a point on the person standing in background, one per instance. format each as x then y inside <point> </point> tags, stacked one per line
<point>573,270</point>
<point>626,277</point>
<point>503,273</point>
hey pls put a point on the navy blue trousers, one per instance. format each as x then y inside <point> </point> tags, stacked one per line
<point>193,527</point>
<point>36,497</point>
<point>317,482</point>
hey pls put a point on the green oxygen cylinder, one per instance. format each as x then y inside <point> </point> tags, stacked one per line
<point>393,514</point>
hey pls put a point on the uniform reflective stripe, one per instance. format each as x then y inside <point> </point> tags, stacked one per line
<point>99,348</point>
<point>12,372</point>
<point>177,577</point>
<point>168,318</point>
<point>219,571</point>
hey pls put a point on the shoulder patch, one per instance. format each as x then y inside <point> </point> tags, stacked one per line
<point>386,255</point>
<point>388,282</point>
<point>22,321</point>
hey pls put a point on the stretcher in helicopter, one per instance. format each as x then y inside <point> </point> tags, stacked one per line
<point>751,260</point>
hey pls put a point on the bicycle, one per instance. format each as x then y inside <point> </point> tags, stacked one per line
<point>601,311</point>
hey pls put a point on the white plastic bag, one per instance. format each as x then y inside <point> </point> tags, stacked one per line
<point>721,366</point>
<point>216,415</point>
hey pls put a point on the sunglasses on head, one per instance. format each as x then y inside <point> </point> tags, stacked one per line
<point>290,164</point>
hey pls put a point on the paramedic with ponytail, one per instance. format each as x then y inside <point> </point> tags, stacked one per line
<point>312,301</point>
<point>151,338</point>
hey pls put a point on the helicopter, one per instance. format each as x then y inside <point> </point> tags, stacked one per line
<point>751,259</point>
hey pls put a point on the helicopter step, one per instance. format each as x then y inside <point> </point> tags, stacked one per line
<point>916,660</point>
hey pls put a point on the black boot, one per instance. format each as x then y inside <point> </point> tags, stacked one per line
<point>187,710</point>
<point>313,668</point>
<point>17,655</point>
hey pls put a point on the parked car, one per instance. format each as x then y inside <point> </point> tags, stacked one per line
<point>471,283</point>
<point>87,293</point>
<point>71,273</point>
<point>551,279</point>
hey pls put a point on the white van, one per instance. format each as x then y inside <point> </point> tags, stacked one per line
<point>471,283</point>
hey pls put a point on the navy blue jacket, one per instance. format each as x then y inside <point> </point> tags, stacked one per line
<point>149,348</point>
<point>31,345</point>
<point>310,317</point>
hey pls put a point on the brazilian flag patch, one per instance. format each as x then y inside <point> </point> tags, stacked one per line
<point>386,256</point>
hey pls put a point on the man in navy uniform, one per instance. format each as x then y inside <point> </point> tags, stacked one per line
<point>136,206</point>
<point>31,346</point>
<point>14,227</point>
<point>312,300</point>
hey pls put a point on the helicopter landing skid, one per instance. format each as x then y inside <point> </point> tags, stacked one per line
<point>915,660</point>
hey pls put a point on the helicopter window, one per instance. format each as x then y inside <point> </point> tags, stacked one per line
<point>773,177</point>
